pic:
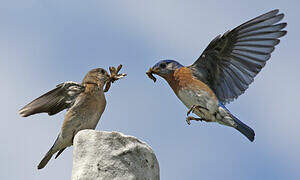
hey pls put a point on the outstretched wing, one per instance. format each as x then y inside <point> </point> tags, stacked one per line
<point>54,101</point>
<point>231,61</point>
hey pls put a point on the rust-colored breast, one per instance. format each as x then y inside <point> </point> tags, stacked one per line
<point>183,79</point>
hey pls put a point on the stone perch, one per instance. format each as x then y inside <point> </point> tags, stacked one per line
<point>100,155</point>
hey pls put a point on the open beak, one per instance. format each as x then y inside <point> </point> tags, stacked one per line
<point>150,73</point>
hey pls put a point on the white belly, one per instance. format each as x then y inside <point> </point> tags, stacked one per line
<point>190,98</point>
<point>200,98</point>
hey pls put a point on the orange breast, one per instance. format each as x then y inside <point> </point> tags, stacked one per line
<point>182,78</point>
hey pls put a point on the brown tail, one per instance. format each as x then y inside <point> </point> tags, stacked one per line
<point>46,159</point>
<point>48,156</point>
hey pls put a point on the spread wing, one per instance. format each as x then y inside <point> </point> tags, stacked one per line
<point>54,101</point>
<point>231,61</point>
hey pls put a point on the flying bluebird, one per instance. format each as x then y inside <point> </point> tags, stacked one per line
<point>224,70</point>
<point>85,103</point>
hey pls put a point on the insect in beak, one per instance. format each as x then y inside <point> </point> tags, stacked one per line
<point>113,76</point>
<point>150,74</point>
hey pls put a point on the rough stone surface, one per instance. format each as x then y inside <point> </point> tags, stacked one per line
<point>100,155</point>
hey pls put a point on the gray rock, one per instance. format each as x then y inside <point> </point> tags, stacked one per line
<point>100,155</point>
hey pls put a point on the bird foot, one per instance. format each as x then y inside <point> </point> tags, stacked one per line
<point>189,118</point>
<point>192,109</point>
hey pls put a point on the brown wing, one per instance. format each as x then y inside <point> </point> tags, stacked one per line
<point>230,62</point>
<point>54,101</point>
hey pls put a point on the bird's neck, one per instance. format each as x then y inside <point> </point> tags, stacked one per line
<point>92,87</point>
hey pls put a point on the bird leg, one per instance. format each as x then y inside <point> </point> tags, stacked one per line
<point>189,118</point>
<point>192,109</point>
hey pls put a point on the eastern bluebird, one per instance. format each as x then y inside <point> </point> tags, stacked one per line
<point>224,70</point>
<point>85,103</point>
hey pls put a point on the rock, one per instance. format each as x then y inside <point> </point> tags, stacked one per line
<point>100,155</point>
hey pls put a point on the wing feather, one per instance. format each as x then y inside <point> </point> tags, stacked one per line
<point>231,61</point>
<point>54,101</point>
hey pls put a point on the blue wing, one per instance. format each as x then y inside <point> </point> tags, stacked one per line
<point>231,61</point>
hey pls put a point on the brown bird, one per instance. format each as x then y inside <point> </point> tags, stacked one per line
<point>85,103</point>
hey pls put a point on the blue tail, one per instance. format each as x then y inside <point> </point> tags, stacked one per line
<point>241,127</point>
<point>244,129</point>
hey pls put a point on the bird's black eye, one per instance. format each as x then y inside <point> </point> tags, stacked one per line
<point>102,71</point>
<point>162,66</point>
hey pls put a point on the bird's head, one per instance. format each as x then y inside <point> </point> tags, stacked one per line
<point>163,68</point>
<point>97,76</point>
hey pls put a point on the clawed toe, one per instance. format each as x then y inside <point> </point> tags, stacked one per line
<point>189,118</point>
<point>192,109</point>
<point>188,121</point>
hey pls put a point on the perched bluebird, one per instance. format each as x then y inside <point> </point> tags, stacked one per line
<point>224,70</point>
<point>85,103</point>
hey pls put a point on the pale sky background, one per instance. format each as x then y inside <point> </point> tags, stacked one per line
<point>44,43</point>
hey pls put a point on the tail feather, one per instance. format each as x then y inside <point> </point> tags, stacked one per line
<point>240,126</point>
<point>59,152</point>
<point>48,156</point>
<point>45,160</point>
<point>244,129</point>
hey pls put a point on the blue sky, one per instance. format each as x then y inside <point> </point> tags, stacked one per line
<point>43,43</point>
